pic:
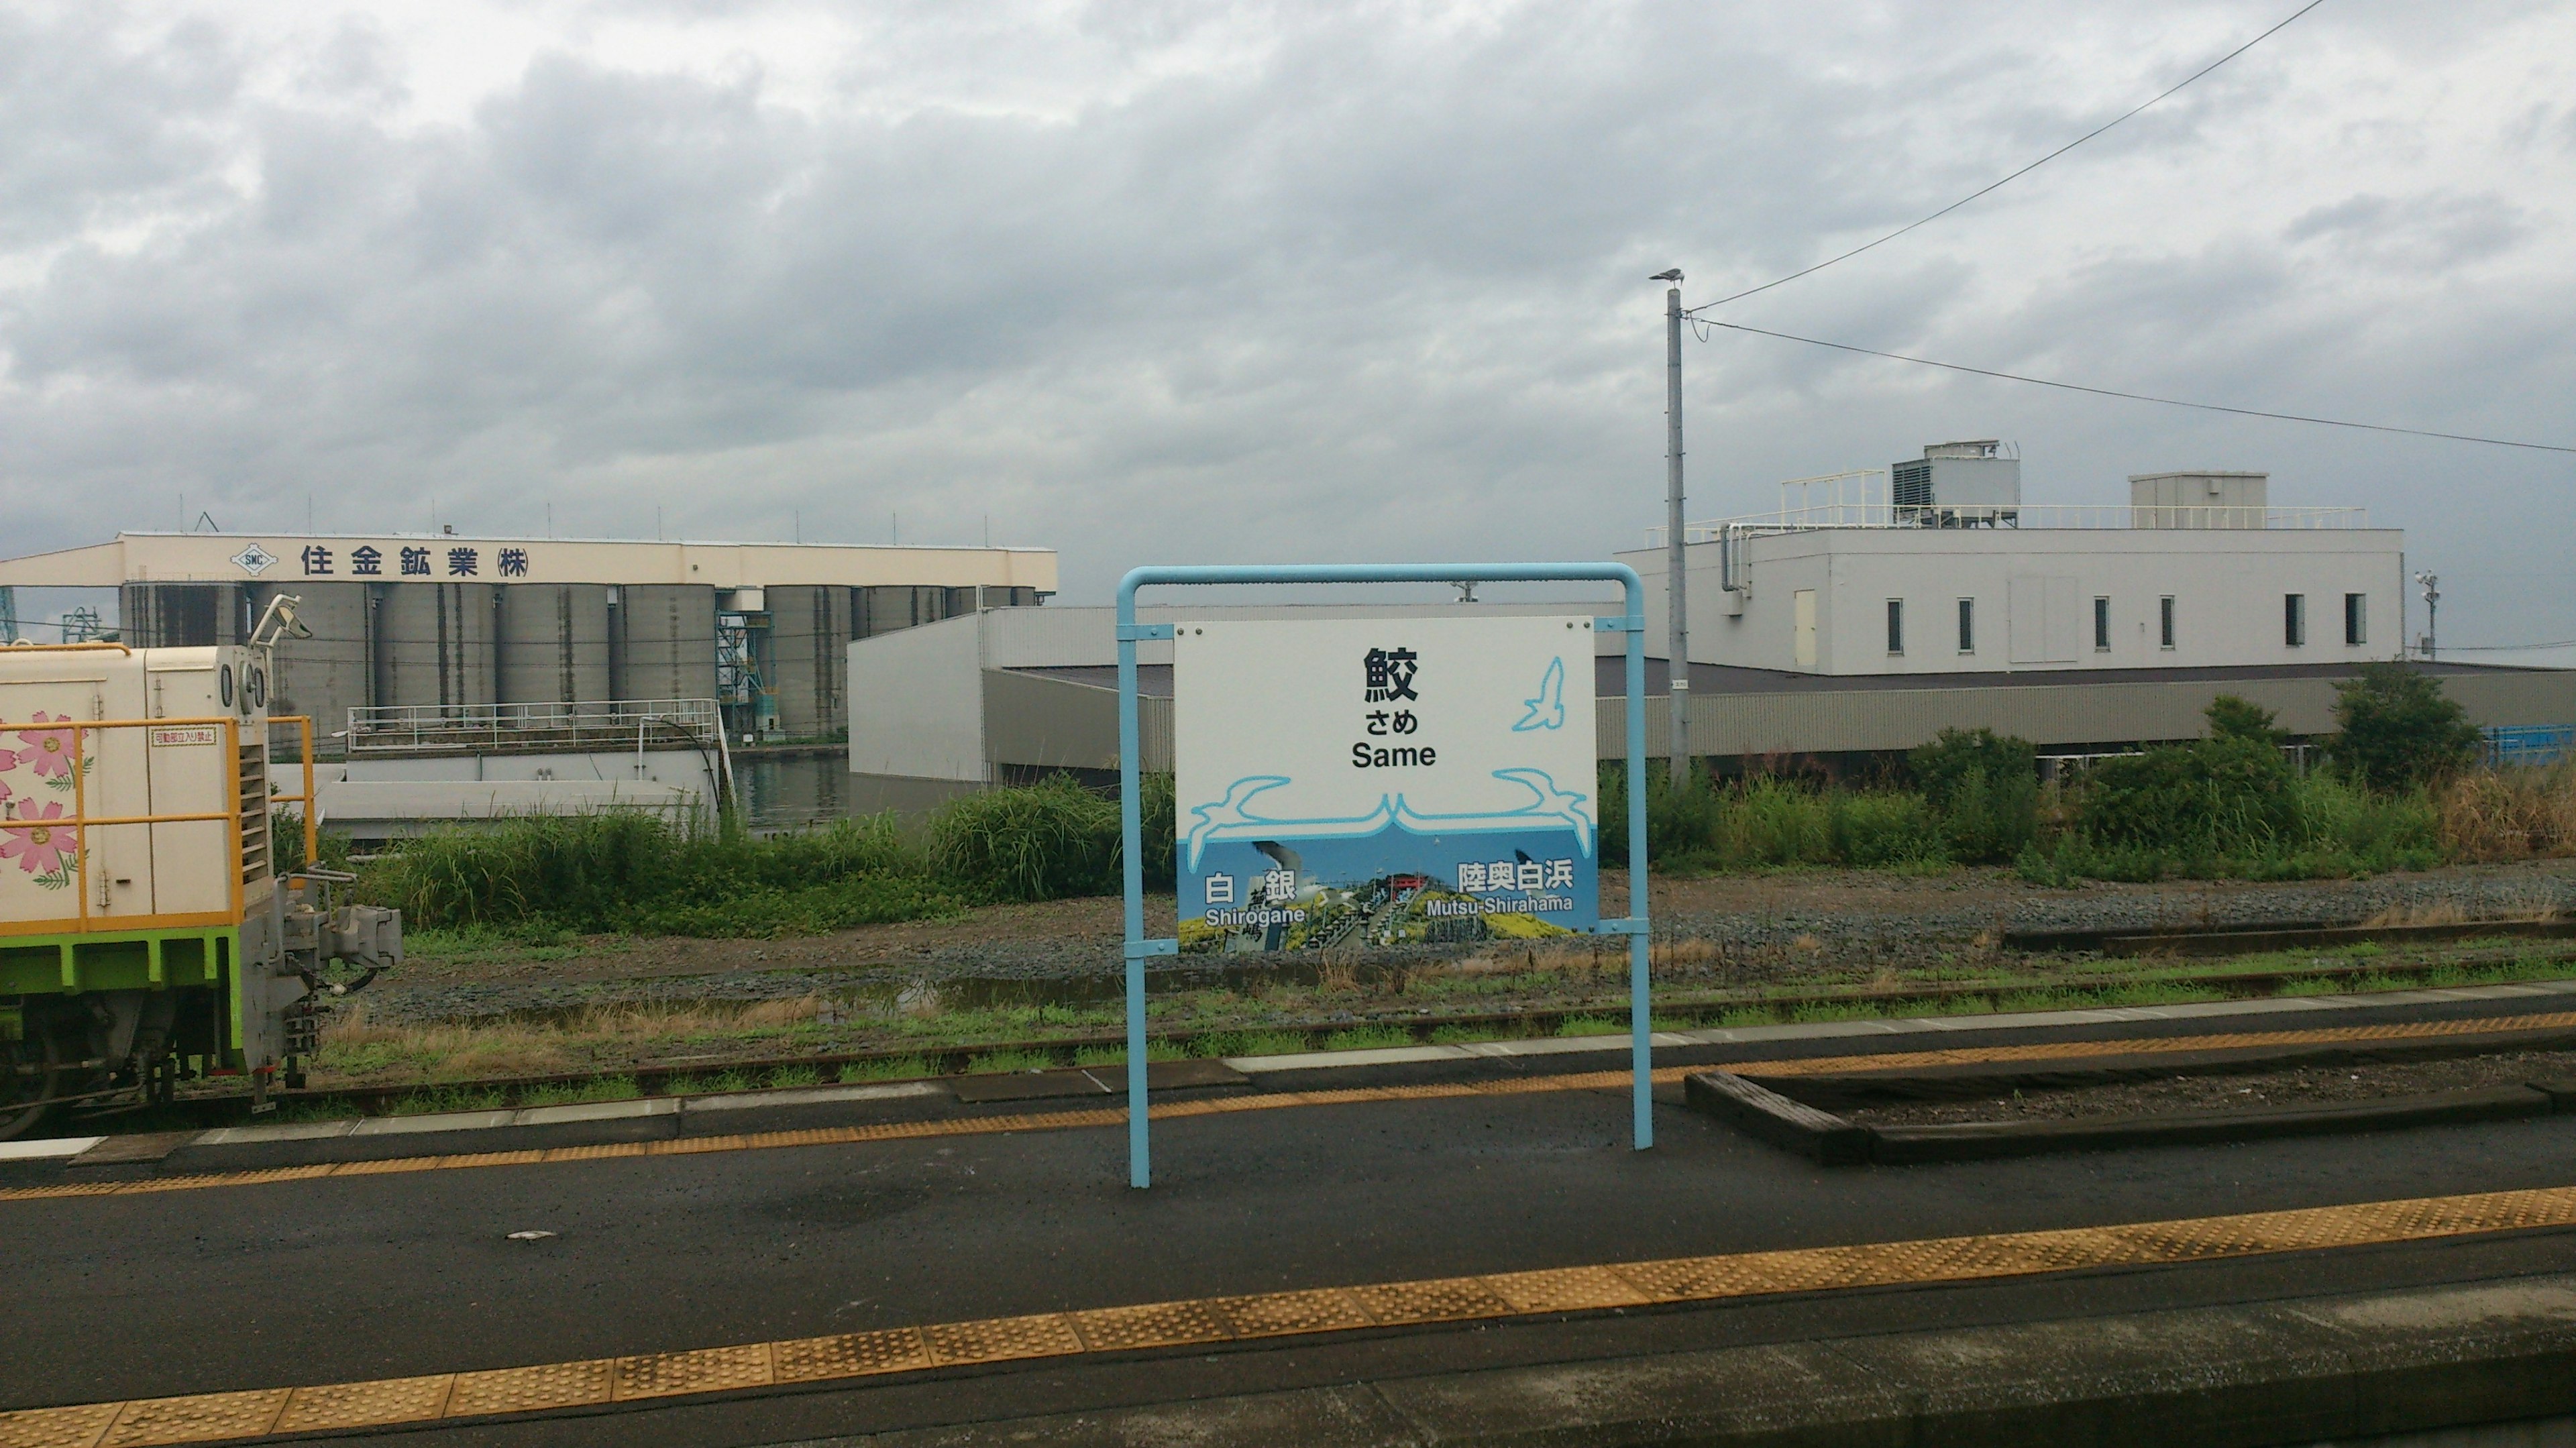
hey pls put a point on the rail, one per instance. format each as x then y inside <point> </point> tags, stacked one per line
<point>1880,514</point>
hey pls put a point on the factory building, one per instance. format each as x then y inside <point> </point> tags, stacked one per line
<point>1001,698</point>
<point>469,624</point>
<point>1873,610</point>
<point>1937,566</point>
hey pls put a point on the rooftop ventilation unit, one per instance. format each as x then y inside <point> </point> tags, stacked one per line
<point>2199,500</point>
<point>1958,485</point>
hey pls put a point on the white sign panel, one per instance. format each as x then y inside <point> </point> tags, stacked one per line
<point>1384,781</point>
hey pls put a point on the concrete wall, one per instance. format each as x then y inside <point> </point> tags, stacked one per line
<point>2227,586</point>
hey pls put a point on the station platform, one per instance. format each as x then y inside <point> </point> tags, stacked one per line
<point>1421,1251</point>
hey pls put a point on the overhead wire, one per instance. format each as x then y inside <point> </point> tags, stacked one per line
<point>2017,175</point>
<point>2138,396</point>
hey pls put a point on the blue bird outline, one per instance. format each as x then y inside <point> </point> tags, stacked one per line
<point>1547,711</point>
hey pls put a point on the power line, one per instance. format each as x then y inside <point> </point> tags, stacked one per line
<point>2138,396</point>
<point>2017,175</point>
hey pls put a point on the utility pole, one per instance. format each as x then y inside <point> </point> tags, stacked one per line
<point>1676,577</point>
<point>2432,607</point>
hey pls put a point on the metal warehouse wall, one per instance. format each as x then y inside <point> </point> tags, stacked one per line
<point>1049,723</point>
<point>1037,721</point>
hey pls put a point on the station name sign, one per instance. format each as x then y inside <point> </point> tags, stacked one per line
<point>1379,782</point>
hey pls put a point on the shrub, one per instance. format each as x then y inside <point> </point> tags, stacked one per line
<point>2231,717</point>
<point>1680,822</point>
<point>2346,829</point>
<point>1036,842</point>
<point>1158,811</point>
<point>1984,789</point>
<point>2201,800</point>
<point>2396,730</point>
<point>1876,829</point>
<point>548,874</point>
<point>1943,767</point>
<point>1769,821</point>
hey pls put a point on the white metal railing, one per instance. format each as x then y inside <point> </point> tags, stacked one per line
<point>465,728</point>
<point>1879,513</point>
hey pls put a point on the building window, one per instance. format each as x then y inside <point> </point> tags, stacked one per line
<point>2165,621</point>
<point>2294,619</point>
<point>1967,625</point>
<point>2101,625</point>
<point>1896,625</point>
<point>2356,618</point>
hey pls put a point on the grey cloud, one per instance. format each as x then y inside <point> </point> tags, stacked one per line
<point>1377,292</point>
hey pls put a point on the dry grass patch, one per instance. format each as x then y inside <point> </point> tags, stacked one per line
<point>357,1050</point>
<point>2489,815</point>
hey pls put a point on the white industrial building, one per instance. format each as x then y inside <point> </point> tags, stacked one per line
<point>1936,566</point>
<point>1876,610</point>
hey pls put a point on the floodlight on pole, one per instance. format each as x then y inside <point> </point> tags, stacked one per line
<point>2430,583</point>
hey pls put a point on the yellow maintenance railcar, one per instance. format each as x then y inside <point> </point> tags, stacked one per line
<point>145,934</point>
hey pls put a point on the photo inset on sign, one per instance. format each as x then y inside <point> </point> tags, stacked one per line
<point>1384,782</point>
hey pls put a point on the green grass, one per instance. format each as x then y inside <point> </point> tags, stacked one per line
<point>452,1098</point>
<point>996,1061</point>
<point>1589,1026</point>
<point>1117,1055</point>
<point>1368,1038</point>
<point>1249,1043</point>
<point>790,1076</point>
<point>890,1068</point>
<point>566,1093</point>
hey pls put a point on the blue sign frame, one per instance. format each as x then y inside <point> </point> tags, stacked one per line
<point>1140,949</point>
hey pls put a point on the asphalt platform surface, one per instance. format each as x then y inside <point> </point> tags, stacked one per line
<point>362,1277</point>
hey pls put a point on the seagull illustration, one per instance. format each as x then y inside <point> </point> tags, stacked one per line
<point>1547,711</point>
<point>1552,802</point>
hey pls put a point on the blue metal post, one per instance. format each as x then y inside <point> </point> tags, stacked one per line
<point>1140,1162</point>
<point>1139,948</point>
<point>1641,1014</point>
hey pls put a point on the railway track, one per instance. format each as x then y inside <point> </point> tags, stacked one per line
<point>1682,1012</point>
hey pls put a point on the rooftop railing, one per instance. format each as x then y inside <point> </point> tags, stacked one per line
<point>475,728</point>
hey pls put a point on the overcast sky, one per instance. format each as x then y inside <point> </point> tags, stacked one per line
<point>1196,282</point>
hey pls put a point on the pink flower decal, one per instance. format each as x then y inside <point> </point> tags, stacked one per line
<point>49,750</point>
<point>41,848</point>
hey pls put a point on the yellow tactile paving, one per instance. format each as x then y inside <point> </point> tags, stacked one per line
<point>201,1418</point>
<point>705,1370</point>
<point>1279,1314</point>
<point>533,1389</point>
<point>1157,1324</point>
<point>393,1402</point>
<point>57,1427</point>
<point>849,1355</point>
<point>1047,1334</point>
<point>1284,1100</point>
<point>365,1405</point>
